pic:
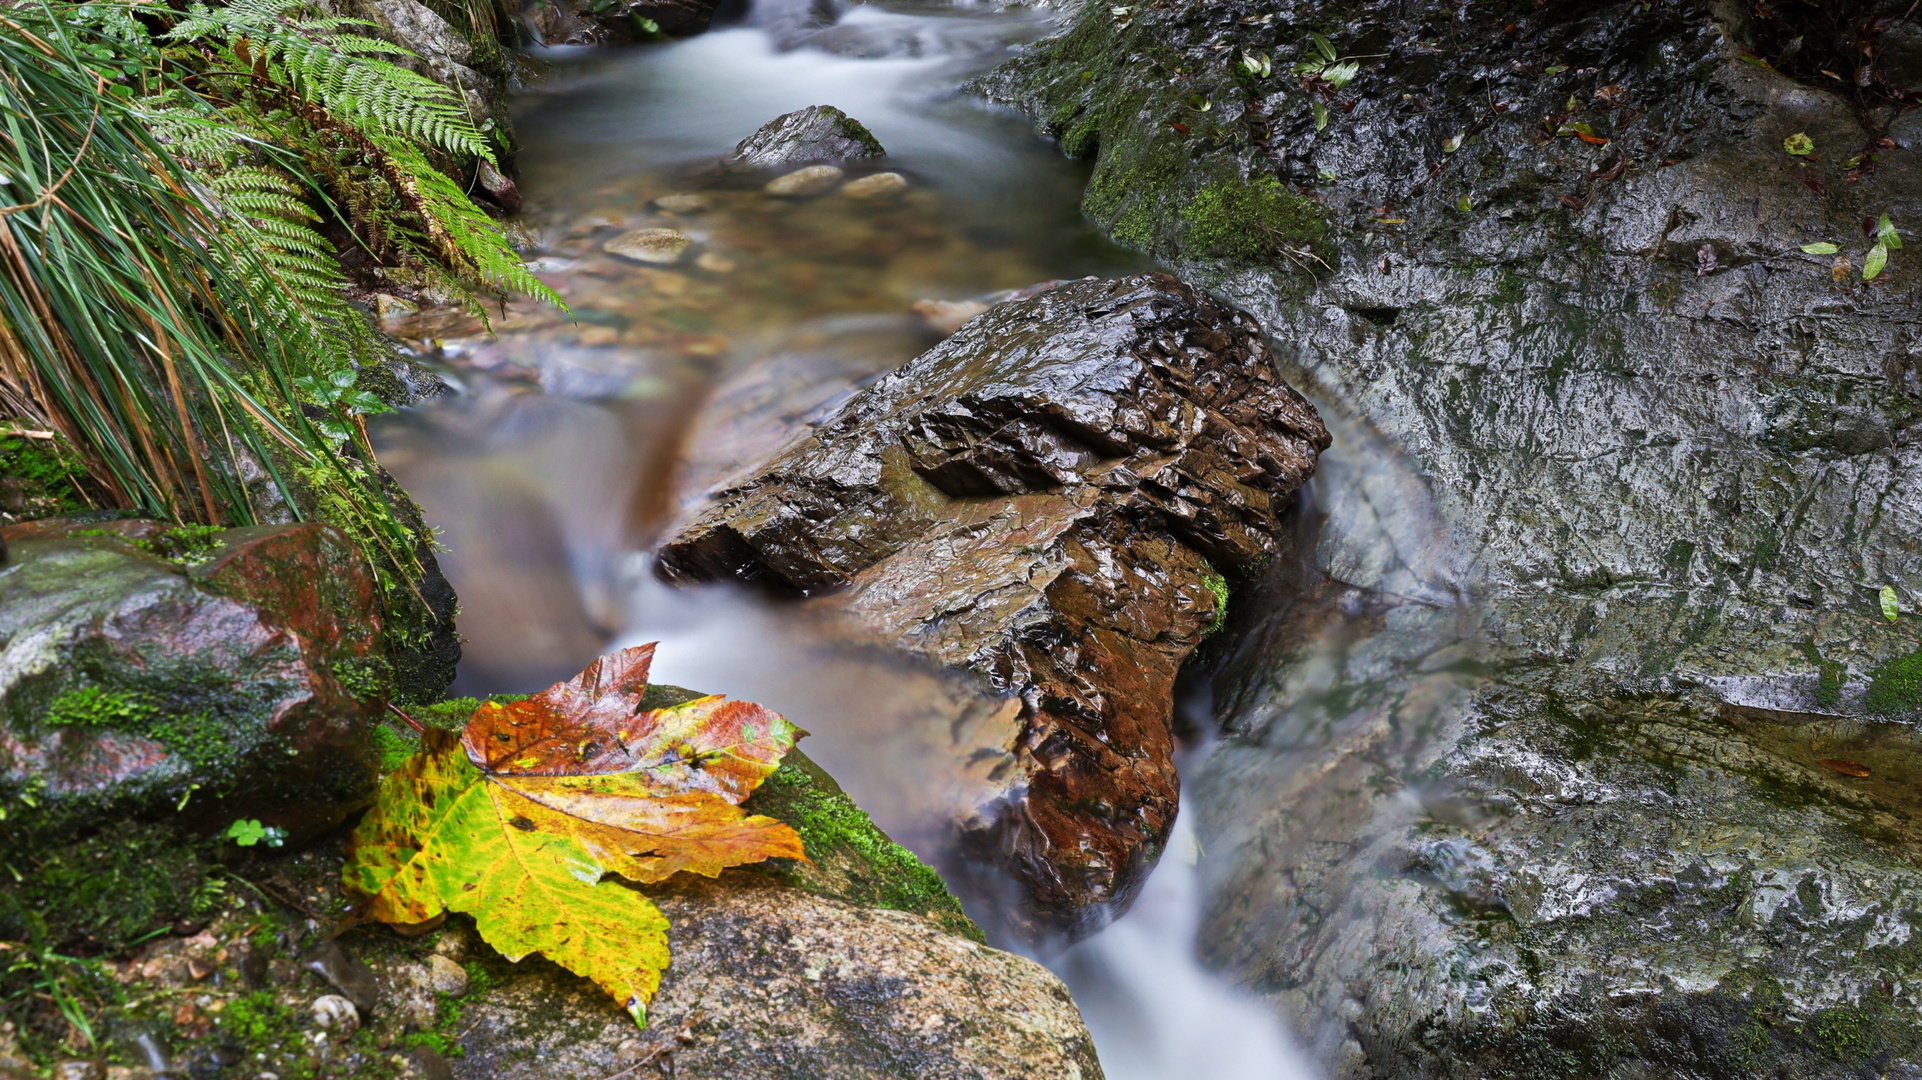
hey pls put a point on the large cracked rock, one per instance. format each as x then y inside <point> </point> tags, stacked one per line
<point>1049,499</point>
<point>1539,791</point>
<point>132,686</point>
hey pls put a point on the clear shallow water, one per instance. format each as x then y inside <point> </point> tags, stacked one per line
<point>576,443</point>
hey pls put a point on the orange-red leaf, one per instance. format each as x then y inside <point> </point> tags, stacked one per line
<point>518,822</point>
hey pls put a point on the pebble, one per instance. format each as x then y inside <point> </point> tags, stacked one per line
<point>946,316</point>
<point>445,976</point>
<point>650,245</point>
<point>880,185</point>
<point>682,203</point>
<point>336,1014</point>
<point>80,1070</point>
<point>715,263</point>
<point>802,183</point>
<point>393,308</point>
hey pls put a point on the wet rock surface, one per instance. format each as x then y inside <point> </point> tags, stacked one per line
<point>1525,766</point>
<point>155,673</point>
<point>855,965</point>
<point>816,134</point>
<point>1049,499</point>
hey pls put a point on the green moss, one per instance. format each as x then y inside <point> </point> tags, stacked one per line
<point>40,478</point>
<point>103,893</point>
<point>1844,1033</point>
<point>186,545</point>
<point>1248,221</point>
<point>1830,676</point>
<point>1219,586</point>
<point>1083,140</point>
<point>91,706</point>
<point>1895,688</point>
<point>852,858</point>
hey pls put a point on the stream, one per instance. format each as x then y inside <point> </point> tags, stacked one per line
<point>574,444</point>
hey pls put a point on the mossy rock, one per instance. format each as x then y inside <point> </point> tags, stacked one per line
<point>235,680</point>
<point>850,857</point>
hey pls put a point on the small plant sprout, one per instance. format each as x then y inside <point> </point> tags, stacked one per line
<point>1324,64</point>
<point>249,831</point>
<point>1891,607</point>
<point>1820,247</point>
<point>1886,240</point>
<point>1257,64</point>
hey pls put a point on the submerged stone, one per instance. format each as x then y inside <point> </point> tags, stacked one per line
<point>879,185</point>
<point>818,133</point>
<point>660,246</point>
<point>801,183</point>
<point>1048,499</point>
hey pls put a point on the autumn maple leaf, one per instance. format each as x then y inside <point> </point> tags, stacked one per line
<point>517,821</point>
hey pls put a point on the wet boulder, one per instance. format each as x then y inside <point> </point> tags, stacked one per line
<point>1053,499</point>
<point>187,676</point>
<point>818,133</point>
<point>1586,748</point>
<point>856,964</point>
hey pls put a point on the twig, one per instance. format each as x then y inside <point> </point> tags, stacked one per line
<point>419,729</point>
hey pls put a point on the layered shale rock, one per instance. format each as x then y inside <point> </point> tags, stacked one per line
<point>1051,499</point>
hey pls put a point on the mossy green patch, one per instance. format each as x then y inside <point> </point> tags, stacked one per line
<point>853,859</point>
<point>40,477</point>
<point>103,893</point>
<point>1895,687</point>
<point>1249,221</point>
<point>1219,586</point>
<point>92,706</point>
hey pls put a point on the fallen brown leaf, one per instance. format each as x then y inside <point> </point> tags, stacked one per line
<point>1844,766</point>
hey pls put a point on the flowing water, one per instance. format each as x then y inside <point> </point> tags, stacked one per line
<point>574,443</point>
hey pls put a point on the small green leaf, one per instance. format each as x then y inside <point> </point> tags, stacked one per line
<point>1890,608</point>
<point>1321,113</point>
<point>1199,103</point>
<point>1554,69</point>
<point>343,378</point>
<point>1341,74</point>
<point>1820,247</point>
<point>1455,143</point>
<point>1464,205</point>
<point>363,402</point>
<point>1325,47</point>
<point>1799,145</point>
<point>246,833</point>
<point>1885,233</point>
<point>1878,258</point>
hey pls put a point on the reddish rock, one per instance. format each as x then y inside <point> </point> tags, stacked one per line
<point>1049,499</point>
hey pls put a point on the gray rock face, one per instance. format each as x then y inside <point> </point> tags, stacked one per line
<point>774,982</point>
<point>1049,499</point>
<point>818,133</point>
<point>1537,788</point>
